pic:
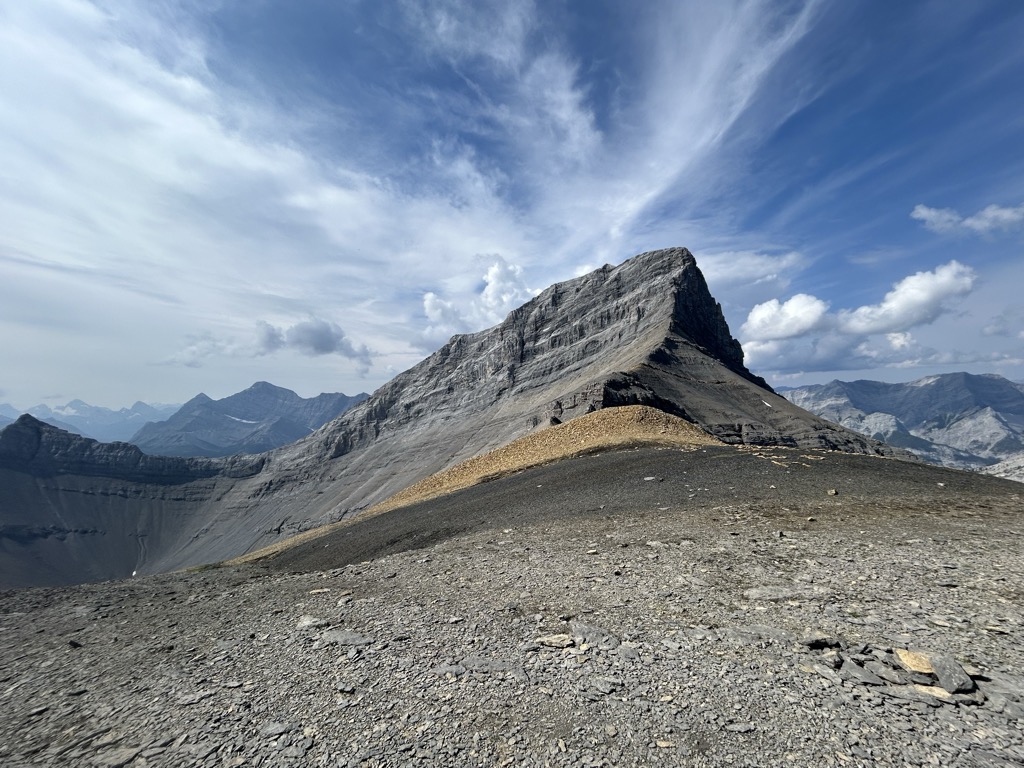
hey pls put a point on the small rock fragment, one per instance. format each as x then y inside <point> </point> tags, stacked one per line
<point>740,727</point>
<point>556,641</point>
<point>605,685</point>
<point>311,622</point>
<point>275,729</point>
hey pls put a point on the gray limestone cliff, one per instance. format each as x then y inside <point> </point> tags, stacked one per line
<point>646,331</point>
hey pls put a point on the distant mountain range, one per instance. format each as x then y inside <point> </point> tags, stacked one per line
<point>956,419</point>
<point>97,422</point>
<point>257,419</point>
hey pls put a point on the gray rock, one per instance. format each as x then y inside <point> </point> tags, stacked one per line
<point>311,622</point>
<point>455,670</point>
<point>344,637</point>
<point>118,758</point>
<point>493,666</point>
<point>855,673</point>
<point>274,729</point>
<point>951,675</point>
<point>741,727</point>
<point>771,593</point>
<point>595,636</point>
<point>605,685</point>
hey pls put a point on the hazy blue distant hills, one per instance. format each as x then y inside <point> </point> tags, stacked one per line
<point>97,422</point>
<point>955,419</point>
<point>257,419</point>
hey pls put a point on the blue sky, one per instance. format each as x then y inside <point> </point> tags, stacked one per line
<point>198,195</point>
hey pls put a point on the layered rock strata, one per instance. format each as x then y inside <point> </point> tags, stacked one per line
<point>646,332</point>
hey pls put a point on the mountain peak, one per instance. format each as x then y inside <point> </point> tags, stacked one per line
<point>646,332</point>
<point>266,386</point>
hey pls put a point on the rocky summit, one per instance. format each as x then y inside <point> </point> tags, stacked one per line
<point>646,332</point>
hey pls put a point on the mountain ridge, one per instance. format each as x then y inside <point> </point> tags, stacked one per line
<point>647,332</point>
<point>257,419</point>
<point>962,420</point>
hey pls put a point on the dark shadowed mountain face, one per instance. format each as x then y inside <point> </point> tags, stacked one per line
<point>258,419</point>
<point>955,419</point>
<point>646,332</point>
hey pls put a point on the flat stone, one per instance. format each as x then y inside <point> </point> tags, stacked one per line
<point>275,729</point>
<point>857,674</point>
<point>886,672</point>
<point>556,641</point>
<point>118,758</point>
<point>771,593</point>
<point>915,661</point>
<point>828,674</point>
<point>455,670</point>
<point>493,666</point>
<point>741,727</point>
<point>344,637</point>
<point>916,693</point>
<point>935,691</point>
<point>311,622</point>
<point>952,676</point>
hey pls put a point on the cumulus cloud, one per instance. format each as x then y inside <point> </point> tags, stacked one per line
<point>502,289</point>
<point>782,320</point>
<point>801,333</point>
<point>989,219</point>
<point>914,300</point>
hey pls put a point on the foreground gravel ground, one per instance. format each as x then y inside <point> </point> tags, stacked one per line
<point>642,608</point>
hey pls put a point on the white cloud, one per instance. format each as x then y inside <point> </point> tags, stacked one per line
<point>772,320</point>
<point>492,31</point>
<point>994,217</point>
<point>503,290</point>
<point>940,220</point>
<point>900,341</point>
<point>986,221</point>
<point>800,333</point>
<point>740,279</point>
<point>915,300</point>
